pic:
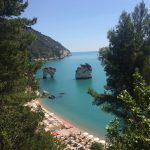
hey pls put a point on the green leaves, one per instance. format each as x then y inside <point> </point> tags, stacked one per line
<point>137,123</point>
<point>96,146</point>
<point>127,92</point>
<point>129,48</point>
<point>18,125</point>
<point>10,8</point>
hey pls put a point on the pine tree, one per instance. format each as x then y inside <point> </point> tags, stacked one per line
<point>135,135</point>
<point>14,56</point>
<point>129,48</point>
<point>17,83</point>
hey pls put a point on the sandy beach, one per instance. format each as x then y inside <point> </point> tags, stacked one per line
<point>72,136</point>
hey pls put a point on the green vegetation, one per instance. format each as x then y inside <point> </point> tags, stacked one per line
<point>18,125</point>
<point>126,94</point>
<point>45,47</point>
<point>97,146</point>
<point>136,133</point>
<point>129,48</point>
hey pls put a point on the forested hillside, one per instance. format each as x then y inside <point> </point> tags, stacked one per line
<point>45,47</point>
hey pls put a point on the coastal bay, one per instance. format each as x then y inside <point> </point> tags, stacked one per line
<point>72,101</point>
<point>71,135</point>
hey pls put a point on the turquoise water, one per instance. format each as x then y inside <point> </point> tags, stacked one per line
<point>75,104</point>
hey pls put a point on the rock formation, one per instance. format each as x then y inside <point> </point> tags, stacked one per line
<point>48,70</point>
<point>83,72</point>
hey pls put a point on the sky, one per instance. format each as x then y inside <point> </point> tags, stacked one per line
<point>79,25</point>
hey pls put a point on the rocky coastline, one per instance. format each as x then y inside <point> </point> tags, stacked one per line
<point>63,55</point>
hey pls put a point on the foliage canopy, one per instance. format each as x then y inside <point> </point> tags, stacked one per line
<point>129,48</point>
<point>135,134</point>
<point>18,125</point>
<point>127,94</point>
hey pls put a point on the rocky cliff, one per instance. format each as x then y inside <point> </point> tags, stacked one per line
<point>45,47</point>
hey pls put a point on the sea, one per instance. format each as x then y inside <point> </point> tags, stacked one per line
<point>72,101</point>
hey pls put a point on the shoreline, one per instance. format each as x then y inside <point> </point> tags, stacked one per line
<point>52,58</point>
<point>49,110</point>
<point>60,118</point>
<point>63,119</point>
<point>73,137</point>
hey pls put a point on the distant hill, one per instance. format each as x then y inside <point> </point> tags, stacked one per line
<point>45,47</point>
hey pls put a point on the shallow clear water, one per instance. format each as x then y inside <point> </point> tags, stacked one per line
<point>75,104</point>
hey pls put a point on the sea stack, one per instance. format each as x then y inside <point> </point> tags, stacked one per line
<point>48,70</point>
<point>83,72</point>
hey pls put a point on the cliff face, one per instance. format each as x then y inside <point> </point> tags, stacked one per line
<point>84,71</point>
<point>45,47</point>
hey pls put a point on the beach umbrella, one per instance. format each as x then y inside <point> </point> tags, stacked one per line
<point>37,93</point>
<point>85,133</point>
<point>45,121</point>
<point>79,145</point>
<point>41,123</point>
<point>96,139</point>
<point>60,121</point>
<point>75,145</point>
<point>90,136</point>
<point>46,115</point>
<point>51,114</point>
<point>34,105</point>
<point>102,141</point>
<point>72,138</point>
<point>55,123</point>
<point>55,133</point>
<point>77,140</point>
<point>46,129</point>
<point>81,148</point>
<point>67,125</point>
<point>26,104</point>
